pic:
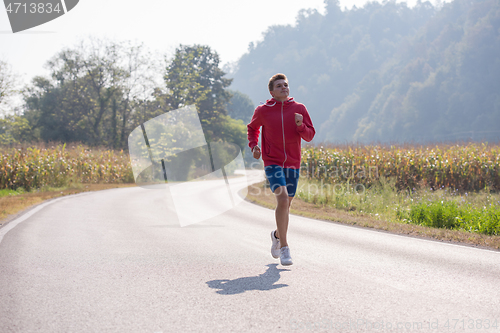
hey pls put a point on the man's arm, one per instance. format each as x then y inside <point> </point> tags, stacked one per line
<point>253,130</point>
<point>305,126</point>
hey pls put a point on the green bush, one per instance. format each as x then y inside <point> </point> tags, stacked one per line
<point>450,215</point>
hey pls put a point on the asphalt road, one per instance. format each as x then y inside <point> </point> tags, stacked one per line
<point>118,261</point>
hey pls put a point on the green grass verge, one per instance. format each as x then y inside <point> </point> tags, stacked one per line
<point>477,212</point>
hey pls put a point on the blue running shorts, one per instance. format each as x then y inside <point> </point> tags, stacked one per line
<point>279,176</point>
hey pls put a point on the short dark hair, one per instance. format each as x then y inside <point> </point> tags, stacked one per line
<point>276,77</point>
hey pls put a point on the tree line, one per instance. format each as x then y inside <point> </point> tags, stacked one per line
<point>386,72</point>
<point>100,90</point>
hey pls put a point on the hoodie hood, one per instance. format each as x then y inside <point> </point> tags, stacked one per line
<point>272,101</point>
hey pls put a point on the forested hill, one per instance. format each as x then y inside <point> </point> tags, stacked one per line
<point>387,72</point>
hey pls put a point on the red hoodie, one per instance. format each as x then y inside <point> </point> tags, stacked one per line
<point>281,137</point>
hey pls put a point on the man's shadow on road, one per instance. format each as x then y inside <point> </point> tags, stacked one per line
<point>263,281</point>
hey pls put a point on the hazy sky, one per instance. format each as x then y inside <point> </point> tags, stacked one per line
<point>227,26</point>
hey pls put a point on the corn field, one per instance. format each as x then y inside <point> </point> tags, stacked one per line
<point>469,167</point>
<point>36,167</point>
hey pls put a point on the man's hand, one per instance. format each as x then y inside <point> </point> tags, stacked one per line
<point>298,119</point>
<point>256,152</point>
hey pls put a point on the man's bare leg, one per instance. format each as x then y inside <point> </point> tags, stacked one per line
<point>282,213</point>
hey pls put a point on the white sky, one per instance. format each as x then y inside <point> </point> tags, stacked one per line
<point>227,26</point>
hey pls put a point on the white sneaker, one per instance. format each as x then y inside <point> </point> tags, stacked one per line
<point>275,248</point>
<point>286,260</point>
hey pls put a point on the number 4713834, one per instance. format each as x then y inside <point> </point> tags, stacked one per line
<point>32,8</point>
<point>471,324</point>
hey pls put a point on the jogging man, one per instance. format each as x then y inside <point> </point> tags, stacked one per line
<point>284,123</point>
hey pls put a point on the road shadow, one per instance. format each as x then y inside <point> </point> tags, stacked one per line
<point>265,281</point>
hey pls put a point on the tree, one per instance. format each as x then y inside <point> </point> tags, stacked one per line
<point>443,84</point>
<point>240,106</point>
<point>54,112</point>
<point>193,76</point>
<point>328,56</point>
<point>14,129</point>
<point>94,93</point>
<point>8,84</point>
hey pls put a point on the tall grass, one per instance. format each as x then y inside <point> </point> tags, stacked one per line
<point>445,186</point>
<point>470,167</point>
<point>58,165</point>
